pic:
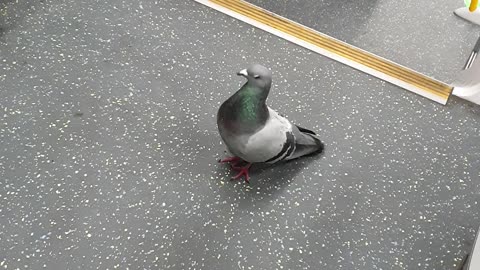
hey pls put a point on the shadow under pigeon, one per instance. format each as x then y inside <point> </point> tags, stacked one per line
<point>267,181</point>
<point>264,175</point>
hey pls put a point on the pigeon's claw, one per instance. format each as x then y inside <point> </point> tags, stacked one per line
<point>232,160</point>
<point>242,171</point>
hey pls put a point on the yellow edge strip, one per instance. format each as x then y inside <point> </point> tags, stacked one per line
<point>406,77</point>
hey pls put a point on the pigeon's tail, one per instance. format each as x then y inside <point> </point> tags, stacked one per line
<point>320,145</point>
<point>307,143</point>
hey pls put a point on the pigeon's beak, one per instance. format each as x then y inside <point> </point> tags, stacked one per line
<point>243,73</point>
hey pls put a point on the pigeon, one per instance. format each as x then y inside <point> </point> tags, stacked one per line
<point>255,133</point>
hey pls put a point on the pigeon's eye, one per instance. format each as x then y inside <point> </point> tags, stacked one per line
<point>256,76</point>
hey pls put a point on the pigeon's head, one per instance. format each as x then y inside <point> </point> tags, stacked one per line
<point>258,75</point>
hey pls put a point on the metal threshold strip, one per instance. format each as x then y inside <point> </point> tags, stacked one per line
<point>334,49</point>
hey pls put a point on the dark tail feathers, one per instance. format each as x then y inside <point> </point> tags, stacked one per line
<point>314,136</point>
<point>319,143</point>
<point>304,130</point>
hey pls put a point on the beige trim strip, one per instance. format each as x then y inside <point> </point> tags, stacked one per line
<point>333,48</point>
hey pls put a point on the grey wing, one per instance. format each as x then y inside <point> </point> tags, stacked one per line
<point>288,149</point>
<point>299,142</point>
<point>306,143</point>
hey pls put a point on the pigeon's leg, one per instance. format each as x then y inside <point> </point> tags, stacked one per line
<point>237,168</point>
<point>232,160</point>
<point>242,171</point>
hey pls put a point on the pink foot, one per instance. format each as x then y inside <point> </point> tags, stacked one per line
<point>242,171</point>
<point>232,160</point>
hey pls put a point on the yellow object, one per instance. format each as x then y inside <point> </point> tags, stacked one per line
<point>335,49</point>
<point>473,5</point>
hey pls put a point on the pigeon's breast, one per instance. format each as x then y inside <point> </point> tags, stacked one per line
<point>264,144</point>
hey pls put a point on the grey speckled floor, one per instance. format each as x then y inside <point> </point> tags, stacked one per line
<point>421,34</point>
<point>109,146</point>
